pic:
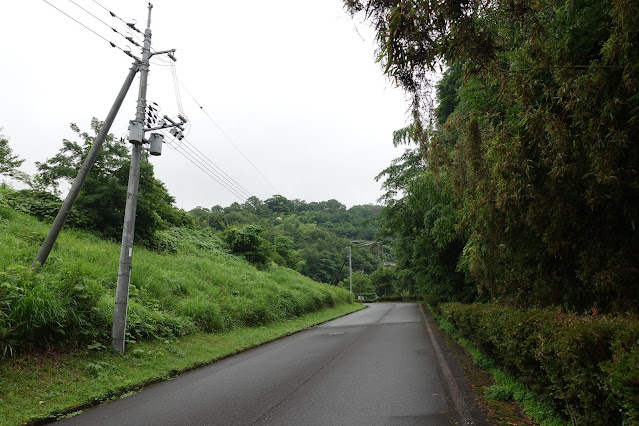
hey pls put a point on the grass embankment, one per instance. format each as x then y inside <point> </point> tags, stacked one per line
<point>178,298</point>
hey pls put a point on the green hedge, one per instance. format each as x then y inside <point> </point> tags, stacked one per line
<point>404,298</point>
<point>586,366</point>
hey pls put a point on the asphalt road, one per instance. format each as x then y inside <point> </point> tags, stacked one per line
<point>376,366</point>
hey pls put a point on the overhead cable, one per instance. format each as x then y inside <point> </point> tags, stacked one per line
<point>220,174</point>
<point>130,25</point>
<point>127,52</point>
<point>215,169</point>
<point>208,171</point>
<point>226,176</point>
<point>227,137</point>
<point>129,39</point>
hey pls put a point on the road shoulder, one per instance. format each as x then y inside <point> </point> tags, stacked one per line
<point>471,382</point>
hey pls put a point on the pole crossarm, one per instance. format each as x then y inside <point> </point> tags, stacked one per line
<point>170,53</point>
<point>168,126</point>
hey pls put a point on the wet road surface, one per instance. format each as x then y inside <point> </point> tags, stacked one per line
<point>375,366</point>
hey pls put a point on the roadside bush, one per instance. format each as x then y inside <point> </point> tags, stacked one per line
<point>186,240</point>
<point>34,312</point>
<point>586,366</point>
<point>401,298</point>
<point>42,205</point>
<point>247,241</point>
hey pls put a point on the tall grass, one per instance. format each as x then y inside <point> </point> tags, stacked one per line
<point>194,286</point>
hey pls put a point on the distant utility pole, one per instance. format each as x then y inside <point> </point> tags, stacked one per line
<point>350,266</point>
<point>136,137</point>
<point>65,209</point>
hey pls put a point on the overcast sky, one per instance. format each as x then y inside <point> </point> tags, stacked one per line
<point>292,83</point>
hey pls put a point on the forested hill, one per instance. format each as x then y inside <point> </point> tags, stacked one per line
<point>311,238</point>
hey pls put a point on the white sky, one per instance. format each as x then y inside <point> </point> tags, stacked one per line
<point>293,83</point>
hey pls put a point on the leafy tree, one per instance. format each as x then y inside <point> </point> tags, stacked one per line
<point>247,241</point>
<point>536,139</point>
<point>9,162</point>
<point>279,204</point>
<point>309,237</point>
<point>102,199</point>
<point>384,280</point>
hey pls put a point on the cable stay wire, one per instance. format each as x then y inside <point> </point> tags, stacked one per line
<point>227,136</point>
<point>207,170</point>
<point>127,52</point>
<point>129,39</point>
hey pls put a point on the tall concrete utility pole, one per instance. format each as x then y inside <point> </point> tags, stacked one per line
<point>136,137</point>
<point>65,209</point>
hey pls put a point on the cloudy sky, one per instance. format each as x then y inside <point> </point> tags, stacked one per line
<point>290,85</point>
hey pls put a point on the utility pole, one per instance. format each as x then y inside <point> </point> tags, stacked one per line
<point>136,138</point>
<point>350,266</point>
<point>65,209</point>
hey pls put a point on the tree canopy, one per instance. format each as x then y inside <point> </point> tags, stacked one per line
<point>101,202</point>
<point>531,144</point>
<point>311,238</point>
<point>9,162</point>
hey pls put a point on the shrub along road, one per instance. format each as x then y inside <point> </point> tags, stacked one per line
<point>376,366</point>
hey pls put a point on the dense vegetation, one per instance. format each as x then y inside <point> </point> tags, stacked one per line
<point>312,238</point>
<point>519,186</point>
<point>204,271</point>
<point>521,181</point>
<point>200,288</point>
<point>586,367</point>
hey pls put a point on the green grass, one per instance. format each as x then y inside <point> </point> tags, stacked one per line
<point>201,288</point>
<point>188,308</point>
<point>505,387</point>
<point>43,385</point>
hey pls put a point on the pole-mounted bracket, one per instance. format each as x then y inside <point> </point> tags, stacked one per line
<point>170,53</point>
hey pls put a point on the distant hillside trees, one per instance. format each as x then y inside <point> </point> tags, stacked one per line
<point>311,238</point>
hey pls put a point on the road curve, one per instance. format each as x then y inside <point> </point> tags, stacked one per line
<point>376,366</point>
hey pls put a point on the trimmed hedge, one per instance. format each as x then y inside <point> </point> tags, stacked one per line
<point>405,298</point>
<point>587,367</point>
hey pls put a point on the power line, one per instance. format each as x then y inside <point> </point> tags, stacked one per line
<point>226,176</point>
<point>207,171</point>
<point>220,174</point>
<point>132,26</point>
<point>176,87</point>
<point>227,136</point>
<point>129,39</point>
<point>102,37</point>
